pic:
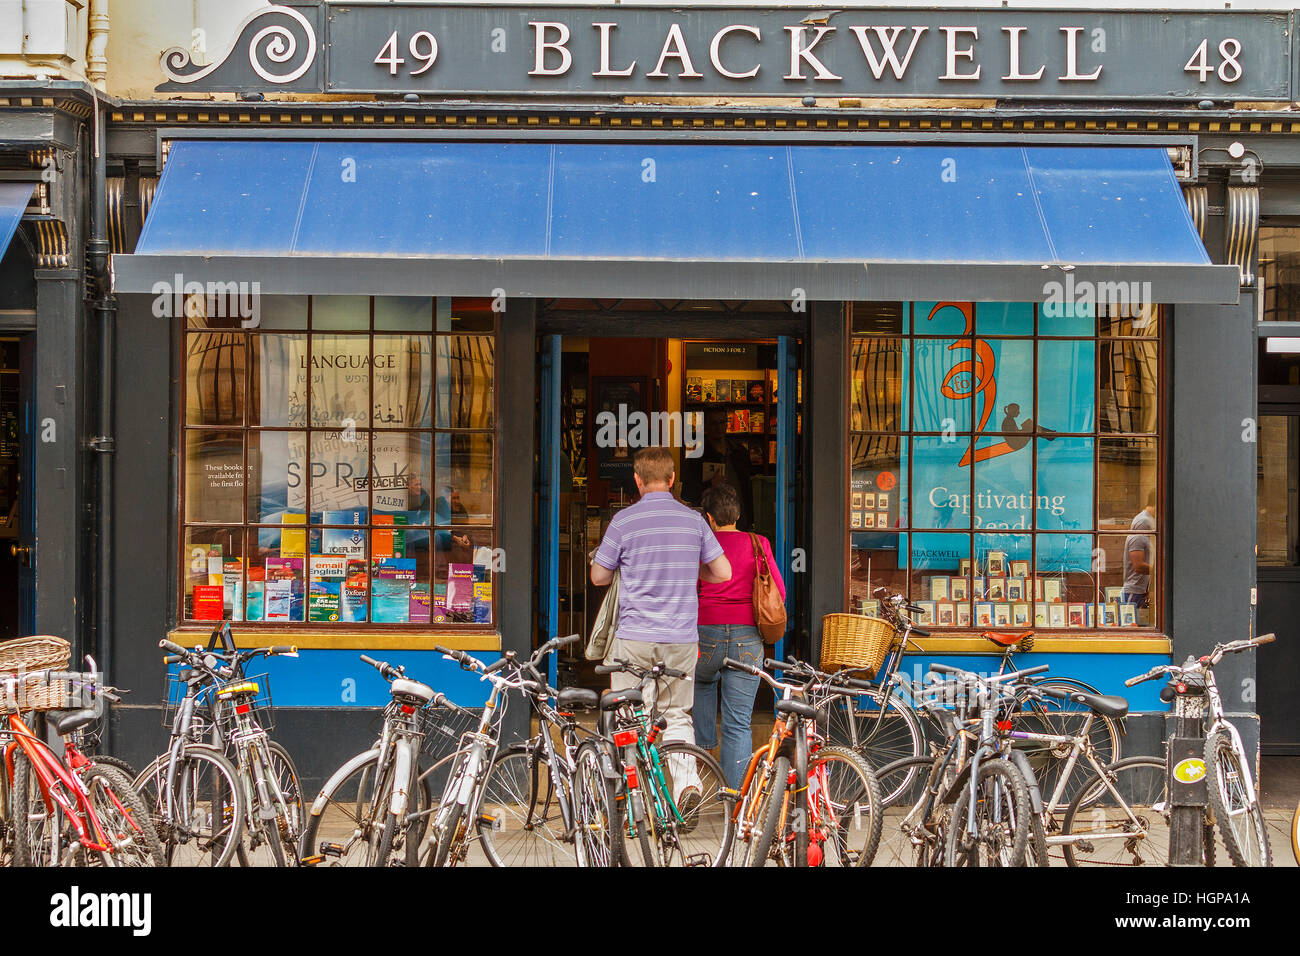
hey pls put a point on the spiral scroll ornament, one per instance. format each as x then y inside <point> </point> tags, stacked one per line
<point>279,53</point>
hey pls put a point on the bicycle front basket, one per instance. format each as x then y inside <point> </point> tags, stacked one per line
<point>225,711</point>
<point>857,641</point>
<point>443,729</point>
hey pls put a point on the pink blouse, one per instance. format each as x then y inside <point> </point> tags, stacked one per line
<point>733,602</point>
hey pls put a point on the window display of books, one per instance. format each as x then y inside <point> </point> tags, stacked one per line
<point>325,578</point>
<point>1017,599</point>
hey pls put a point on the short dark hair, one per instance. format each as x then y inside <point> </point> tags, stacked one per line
<point>722,502</point>
<point>654,464</point>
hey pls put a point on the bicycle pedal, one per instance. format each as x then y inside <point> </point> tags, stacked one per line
<point>312,860</point>
<point>487,819</point>
<point>331,849</point>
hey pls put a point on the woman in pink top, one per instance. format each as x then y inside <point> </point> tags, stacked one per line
<point>727,630</point>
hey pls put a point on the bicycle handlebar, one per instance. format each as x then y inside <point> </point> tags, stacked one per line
<point>387,671</point>
<point>620,666</point>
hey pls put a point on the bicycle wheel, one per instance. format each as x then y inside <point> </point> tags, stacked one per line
<point>125,821</point>
<point>42,835</point>
<point>207,807</point>
<point>881,737</point>
<point>1064,717</point>
<point>1002,815</point>
<point>104,760</point>
<point>519,816</point>
<point>598,827</point>
<point>845,808</point>
<point>770,813</point>
<point>280,837</point>
<point>347,820</point>
<point>1237,813</point>
<point>695,826</point>
<point>1130,831</point>
<point>896,848</point>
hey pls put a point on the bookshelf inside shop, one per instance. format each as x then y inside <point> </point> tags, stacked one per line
<point>744,390</point>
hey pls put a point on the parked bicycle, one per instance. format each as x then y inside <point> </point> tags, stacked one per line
<point>803,802</point>
<point>64,809</point>
<point>204,803</point>
<point>976,807</point>
<point>373,810</point>
<point>889,722</point>
<point>672,795</point>
<point>471,805</point>
<point>1234,807</point>
<point>1096,813</point>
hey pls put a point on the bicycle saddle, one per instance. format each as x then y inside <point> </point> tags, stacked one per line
<point>1107,706</point>
<point>800,707</point>
<point>614,699</point>
<point>576,698</point>
<point>1007,638</point>
<point>65,722</point>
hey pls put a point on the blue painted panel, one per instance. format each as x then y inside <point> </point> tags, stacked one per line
<point>325,678</point>
<point>1106,672</point>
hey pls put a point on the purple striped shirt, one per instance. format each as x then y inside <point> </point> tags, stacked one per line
<point>658,545</point>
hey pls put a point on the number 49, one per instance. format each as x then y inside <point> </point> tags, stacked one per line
<point>388,55</point>
<point>1229,70</point>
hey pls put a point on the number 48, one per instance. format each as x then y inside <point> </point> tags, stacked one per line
<point>1229,70</point>
<point>388,55</point>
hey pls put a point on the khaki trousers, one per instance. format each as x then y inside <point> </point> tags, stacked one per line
<point>674,696</point>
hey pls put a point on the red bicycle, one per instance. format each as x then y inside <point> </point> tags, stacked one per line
<point>66,809</point>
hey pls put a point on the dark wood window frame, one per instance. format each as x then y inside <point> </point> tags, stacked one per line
<point>248,528</point>
<point>908,337</point>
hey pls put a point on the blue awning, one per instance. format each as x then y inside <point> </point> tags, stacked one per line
<point>626,219</point>
<point>14,198</point>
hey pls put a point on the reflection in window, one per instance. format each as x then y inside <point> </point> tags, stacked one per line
<point>327,471</point>
<point>1278,492</point>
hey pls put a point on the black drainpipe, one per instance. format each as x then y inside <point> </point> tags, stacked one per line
<point>104,307</point>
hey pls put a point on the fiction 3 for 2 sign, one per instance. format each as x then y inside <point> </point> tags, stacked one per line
<point>693,51</point>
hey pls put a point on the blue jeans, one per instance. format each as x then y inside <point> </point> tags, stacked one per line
<point>718,642</point>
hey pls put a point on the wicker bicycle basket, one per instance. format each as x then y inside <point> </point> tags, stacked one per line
<point>34,653</point>
<point>27,659</point>
<point>856,641</point>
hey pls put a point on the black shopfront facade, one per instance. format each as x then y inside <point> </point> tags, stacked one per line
<point>343,327</point>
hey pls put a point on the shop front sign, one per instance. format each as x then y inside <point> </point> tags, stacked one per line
<point>476,50</point>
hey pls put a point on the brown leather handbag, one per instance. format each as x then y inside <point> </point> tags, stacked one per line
<point>769,608</point>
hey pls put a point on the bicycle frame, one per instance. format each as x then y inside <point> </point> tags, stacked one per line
<point>54,777</point>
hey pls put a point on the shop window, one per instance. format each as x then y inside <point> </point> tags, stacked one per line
<point>1005,464</point>
<point>338,463</point>
<point>1279,262</point>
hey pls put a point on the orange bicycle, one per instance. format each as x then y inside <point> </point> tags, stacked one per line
<point>67,810</point>
<point>801,802</point>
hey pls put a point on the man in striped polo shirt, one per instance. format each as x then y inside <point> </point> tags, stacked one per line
<point>661,548</point>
